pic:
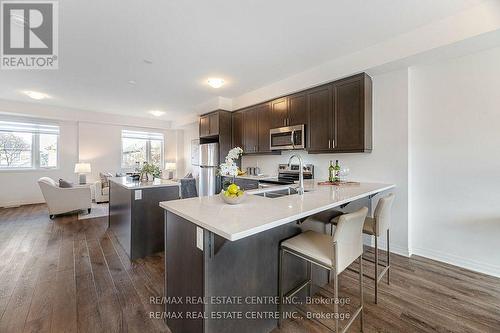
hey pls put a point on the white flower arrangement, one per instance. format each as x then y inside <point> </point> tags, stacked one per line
<point>229,168</point>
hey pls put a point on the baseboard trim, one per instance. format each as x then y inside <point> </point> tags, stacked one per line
<point>13,204</point>
<point>394,248</point>
<point>451,259</point>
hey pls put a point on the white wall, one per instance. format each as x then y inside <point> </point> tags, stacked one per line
<point>89,137</point>
<point>100,145</point>
<point>455,161</point>
<point>388,163</point>
<point>21,187</point>
<point>190,132</point>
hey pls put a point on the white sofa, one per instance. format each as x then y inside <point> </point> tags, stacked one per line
<point>64,200</point>
<point>101,194</point>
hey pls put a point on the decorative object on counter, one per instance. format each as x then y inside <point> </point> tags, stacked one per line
<point>229,167</point>
<point>331,172</point>
<point>233,194</point>
<point>338,183</point>
<point>334,172</point>
<point>149,172</point>
<point>253,171</point>
<point>170,168</point>
<point>344,173</point>
<point>82,169</point>
<point>337,171</point>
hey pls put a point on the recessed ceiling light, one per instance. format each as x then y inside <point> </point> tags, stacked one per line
<point>157,113</point>
<point>132,82</point>
<point>215,82</point>
<point>35,94</point>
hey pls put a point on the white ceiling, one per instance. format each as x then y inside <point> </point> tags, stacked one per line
<point>249,43</point>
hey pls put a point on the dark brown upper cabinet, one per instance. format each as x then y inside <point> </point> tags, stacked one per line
<point>209,124</point>
<point>289,111</point>
<point>237,119</point>
<point>297,109</point>
<point>279,112</point>
<point>340,116</point>
<point>320,123</point>
<point>251,130</point>
<point>352,106</point>
<point>204,126</point>
<point>264,125</point>
<point>337,115</point>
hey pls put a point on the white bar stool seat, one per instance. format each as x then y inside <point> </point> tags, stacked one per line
<point>334,253</point>
<point>377,226</point>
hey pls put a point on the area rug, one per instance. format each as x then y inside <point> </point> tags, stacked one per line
<point>98,210</point>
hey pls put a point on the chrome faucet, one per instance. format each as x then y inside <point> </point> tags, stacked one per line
<point>300,189</point>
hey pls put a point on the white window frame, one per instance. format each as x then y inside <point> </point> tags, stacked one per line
<point>142,135</point>
<point>35,128</point>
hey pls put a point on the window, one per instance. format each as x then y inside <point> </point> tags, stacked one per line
<point>28,146</point>
<point>140,147</point>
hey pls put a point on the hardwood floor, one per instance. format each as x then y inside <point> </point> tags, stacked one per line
<point>67,275</point>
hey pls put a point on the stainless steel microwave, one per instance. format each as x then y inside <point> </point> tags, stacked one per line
<point>286,138</point>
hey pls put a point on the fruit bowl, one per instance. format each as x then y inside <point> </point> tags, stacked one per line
<point>233,195</point>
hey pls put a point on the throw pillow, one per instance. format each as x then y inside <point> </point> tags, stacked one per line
<point>104,179</point>
<point>65,184</point>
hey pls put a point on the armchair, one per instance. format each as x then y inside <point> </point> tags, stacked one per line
<point>101,193</point>
<point>64,200</point>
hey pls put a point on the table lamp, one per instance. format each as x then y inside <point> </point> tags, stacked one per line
<point>170,167</point>
<point>82,169</point>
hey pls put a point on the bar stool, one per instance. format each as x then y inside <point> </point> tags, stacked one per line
<point>376,226</point>
<point>334,253</point>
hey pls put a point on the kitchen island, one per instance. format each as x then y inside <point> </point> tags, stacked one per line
<point>226,257</point>
<point>134,215</point>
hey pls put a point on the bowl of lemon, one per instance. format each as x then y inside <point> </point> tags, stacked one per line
<point>233,195</point>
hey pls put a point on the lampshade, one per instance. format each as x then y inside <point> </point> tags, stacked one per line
<point>82,168</point>
<point>170,166</point>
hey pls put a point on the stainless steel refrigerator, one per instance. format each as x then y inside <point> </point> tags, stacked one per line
<point>208,164</point>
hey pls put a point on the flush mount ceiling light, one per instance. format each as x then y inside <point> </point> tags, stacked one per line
<point>35,94</point>
<point>157,113</point>
<point>215,82</point>
<point>132,82</point>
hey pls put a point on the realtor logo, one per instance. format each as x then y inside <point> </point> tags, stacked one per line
<point>29,35</point>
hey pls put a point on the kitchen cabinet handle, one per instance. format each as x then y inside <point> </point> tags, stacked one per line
<point>333,143</point>
<point>329,143</point>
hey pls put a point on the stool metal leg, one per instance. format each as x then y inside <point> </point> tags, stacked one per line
<point>280,287</point>
<point>309,276</point>
<point>376,269</point>
<point>361,289</point>
<point>336,298</point>
<point>388,258</point>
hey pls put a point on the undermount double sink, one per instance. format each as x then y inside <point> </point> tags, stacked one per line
<point>277,193</point>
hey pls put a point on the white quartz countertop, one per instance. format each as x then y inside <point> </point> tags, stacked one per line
<point>254,177</point>
<point>257,214</point>
<point>128,183</point>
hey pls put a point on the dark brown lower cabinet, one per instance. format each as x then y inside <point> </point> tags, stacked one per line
<point>204,266</point>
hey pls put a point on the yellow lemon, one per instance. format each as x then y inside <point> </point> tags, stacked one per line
<point>233,188</point>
